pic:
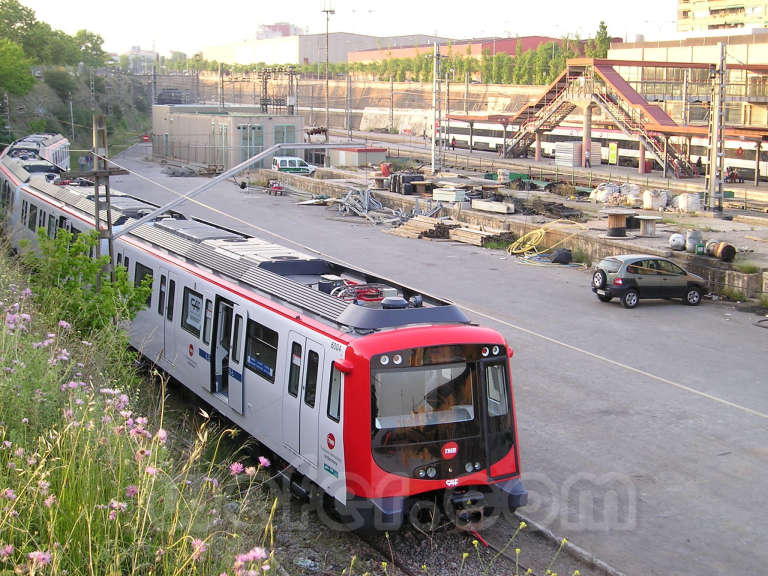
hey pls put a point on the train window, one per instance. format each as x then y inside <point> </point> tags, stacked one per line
<point>51,226</point>
<point>261,350</point>
<point>171,298</point>
<point>192,312</point>
<point>139,274</point>
<point>32,220</point>
<point>161,299</point>
<point>238,336</point>
<point>119,258</point>
<point>128,264</point>
<point>497,390</point>
<point>334,395</point>
<point>41,221</point>
<point>207,322</point>
<point>24,210</point>
<point>310,385</point>
<point>293,377</point>
<point>76,233</point>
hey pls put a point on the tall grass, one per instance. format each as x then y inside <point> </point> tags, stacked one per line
<point>88,484</point>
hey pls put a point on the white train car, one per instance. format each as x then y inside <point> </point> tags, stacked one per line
<point>380,396</point>
<point>53,148</point>
<point>485,136</point>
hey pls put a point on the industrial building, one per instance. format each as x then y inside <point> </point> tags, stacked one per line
<point>307,48</point>
<point>215,139</point>
<point>474,48</point>
<point>703,15</point>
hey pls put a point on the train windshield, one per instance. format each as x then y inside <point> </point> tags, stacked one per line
<point>423,396</point>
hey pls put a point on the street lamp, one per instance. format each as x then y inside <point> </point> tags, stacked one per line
<point>328,10</point>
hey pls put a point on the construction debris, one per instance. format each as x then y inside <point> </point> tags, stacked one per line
<point>490,206</point>
<point>424,227</point>
<point>479,237</point>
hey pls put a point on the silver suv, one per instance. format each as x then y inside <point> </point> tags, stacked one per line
<point>631,277</point>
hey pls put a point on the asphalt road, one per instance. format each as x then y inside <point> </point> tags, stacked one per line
<point>643,433</point>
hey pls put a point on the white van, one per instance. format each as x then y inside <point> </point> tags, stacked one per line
<point>292,164</point>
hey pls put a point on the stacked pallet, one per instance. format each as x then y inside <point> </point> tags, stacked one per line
<point>423,227</point>
<point>479,237</point>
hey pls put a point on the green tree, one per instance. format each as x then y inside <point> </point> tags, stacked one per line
<point>89,45</point>
<point>68,279</point>
<point>15,75</point>
<point>602,41</point>
<point>15,21</point>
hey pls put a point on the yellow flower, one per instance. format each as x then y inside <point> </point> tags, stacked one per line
<point>464,555</point>
<point>384,565</point>
<point>523,525</point>
<point>474,543</point>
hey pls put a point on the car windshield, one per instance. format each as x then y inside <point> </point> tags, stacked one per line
<point>609,265</point>
<point>423,396</point>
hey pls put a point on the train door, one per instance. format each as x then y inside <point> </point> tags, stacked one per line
<point>220,347</point>
<point>236,347</point>
<point>300,401</point>
<point>166,309</point>
<point>498,427</point>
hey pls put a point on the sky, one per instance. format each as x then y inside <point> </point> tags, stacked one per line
<point>190,26</point>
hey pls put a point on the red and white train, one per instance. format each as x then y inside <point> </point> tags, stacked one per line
<point>382,397</point>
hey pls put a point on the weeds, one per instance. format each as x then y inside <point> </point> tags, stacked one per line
<point>746,267</point>
<point>88,485</point>
<point>733,294</point>
<point>764,300</point>
<point>581,257</point>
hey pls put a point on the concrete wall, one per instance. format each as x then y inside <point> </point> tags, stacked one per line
<point>719,275</point>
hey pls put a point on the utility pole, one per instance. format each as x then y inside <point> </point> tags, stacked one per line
<point>435,106</point>
<point>466,94</point>
<point>221,90</point>
<point>348,117</point>
<point>71,118</point>
<point>717,136</point>
<point>391,103</point>
<point>328,11</point>
<point>7,111</point>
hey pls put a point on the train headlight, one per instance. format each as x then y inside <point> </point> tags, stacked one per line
<point>431,471</point>
<point>495,350</point>
<point>484,351</point>
<point>422,473</point>
<point>477,465</point>
<point>384,360</point>
<point>468,467</point>
<point>397,359</point>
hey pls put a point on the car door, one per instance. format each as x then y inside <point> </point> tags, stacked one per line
<point>646,278</point>
<point>673,279</point>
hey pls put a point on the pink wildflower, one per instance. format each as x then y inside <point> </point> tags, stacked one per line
<point>43,486</point>
<point>131,491</point>
<point>198,548</point>
<point>25,420</point>
<point>235,468</point>
<point>141,453</point>
<point>112,515</point>
<point>162,436</point>
<point>151,470</point>
<point>50,501</point>
<point>264,462</point>
<point>40,558</point>
<point>64,324</point>
<point>9,494</point>
<point>6,552</point>
<point>251,471</point>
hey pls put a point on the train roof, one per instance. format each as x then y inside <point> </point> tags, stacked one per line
<point>329,291</point>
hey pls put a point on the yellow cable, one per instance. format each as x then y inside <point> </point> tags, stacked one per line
<point>529,243</point>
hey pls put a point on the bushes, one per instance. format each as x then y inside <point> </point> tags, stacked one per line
<point>61,82</point>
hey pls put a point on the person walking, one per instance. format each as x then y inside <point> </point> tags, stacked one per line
<point>586,159</point>
<point>453,144</point>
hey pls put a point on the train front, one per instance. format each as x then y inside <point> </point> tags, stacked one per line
<point>430,428</point>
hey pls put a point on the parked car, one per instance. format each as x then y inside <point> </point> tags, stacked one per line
<point>292,164</point>
<point>631,277</point>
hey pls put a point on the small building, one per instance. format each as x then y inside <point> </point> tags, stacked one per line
<point>217,139</point>
<point>357,157</point>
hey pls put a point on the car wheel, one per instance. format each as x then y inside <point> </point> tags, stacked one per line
<point>692,296</point>
<point>599,279</point>
<point>630,298</point>
<point>604,298</point>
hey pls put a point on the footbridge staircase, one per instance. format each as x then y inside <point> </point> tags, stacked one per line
<point>595,82</point>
